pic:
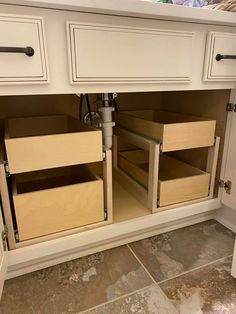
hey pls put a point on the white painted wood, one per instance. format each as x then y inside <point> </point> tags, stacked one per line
<point>18,31</point>
<point>55,26</point>
<point>226,142</point>
<point>223,70</point>
<point>113,53</point>
<point>227,217</point>
<point>233,269</point>
<point>3,257</point>
<point>57,259</point>
<point>138,8</point>
<point>230,164</point>
<point>59,250</point>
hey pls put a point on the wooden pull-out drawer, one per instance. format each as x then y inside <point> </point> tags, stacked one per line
<point>54,200</point>
<point>220,62</point>
<point>174,131</point>
<point>178,181</point>
<point>103,53</point>
<point>37,143</point>
<point>24,65</point>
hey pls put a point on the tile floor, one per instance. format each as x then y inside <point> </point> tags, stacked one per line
<point>185,271</point>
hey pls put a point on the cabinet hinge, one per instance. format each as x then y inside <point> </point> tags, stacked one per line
<point>4,237</point>
<point>227,185</point>
<point>105,214</point>
<point>161,148</point>
<point>6,167</point>
<point>104,155</point>
<point>231,107</point>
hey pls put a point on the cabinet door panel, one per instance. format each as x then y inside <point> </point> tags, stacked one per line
<point>115,53</point>
<point>21,32</point>
<point>229,196</point>
<point>233,270</point>
<point>223,44</point>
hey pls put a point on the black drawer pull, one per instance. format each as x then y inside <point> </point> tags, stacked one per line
<point>220,57</point>
<point>29,51</point>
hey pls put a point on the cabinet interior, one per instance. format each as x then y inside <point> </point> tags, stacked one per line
<point>209,104</point>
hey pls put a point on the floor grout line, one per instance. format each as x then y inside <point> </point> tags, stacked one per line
<point>141,264</point>
<point>194,269</point>
<point>118,298</point>
<point>154,282</point>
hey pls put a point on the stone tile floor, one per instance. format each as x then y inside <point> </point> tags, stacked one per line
<point>185,271</point>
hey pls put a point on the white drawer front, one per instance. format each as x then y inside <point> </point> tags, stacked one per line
<point>22,32</point>
<point>225,45</point>
<point>114,53</point>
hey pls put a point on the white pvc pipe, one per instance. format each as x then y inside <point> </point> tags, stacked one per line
<point>107,126</point>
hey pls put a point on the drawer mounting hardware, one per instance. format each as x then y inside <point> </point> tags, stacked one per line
<point>6,167</point>
<point>231,107</point>
<point>105,214</point>
<point>227,185</point>
<point>28,51</point>
<point>229,57</point>
<point>4,238</point>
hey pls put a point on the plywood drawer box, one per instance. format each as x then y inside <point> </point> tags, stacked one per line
<point>29,63</point>
<point>178,181</point>
<point>129,57</point>
<point>54,200</point>
<point>220,62</point>
<point>174,131</point>
<point>37,143</point>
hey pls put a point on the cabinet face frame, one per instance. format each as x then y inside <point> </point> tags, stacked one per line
<point>233,270</point>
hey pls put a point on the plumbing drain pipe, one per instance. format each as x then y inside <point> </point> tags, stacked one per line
<point>107,123</point>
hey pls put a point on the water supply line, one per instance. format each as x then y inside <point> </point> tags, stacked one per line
<point>107,124</point>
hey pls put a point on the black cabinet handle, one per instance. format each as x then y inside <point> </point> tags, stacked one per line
<point>29,51</point>
<point>220,57</point>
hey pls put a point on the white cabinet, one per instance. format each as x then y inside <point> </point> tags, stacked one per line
<point>23,55</point>
<point>220,61</point>
<point>229,173</point>
<point>233,270</point>
<point>3,254</point>
<point>105,53</point>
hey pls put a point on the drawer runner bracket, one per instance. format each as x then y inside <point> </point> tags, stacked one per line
<point>4,238</point>
<point>105,214</point>
<point>6,167</point>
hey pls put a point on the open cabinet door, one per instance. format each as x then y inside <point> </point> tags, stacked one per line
<point>3,254</point>
<point>233,270</point>
<point>229,172</point>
